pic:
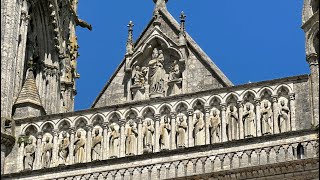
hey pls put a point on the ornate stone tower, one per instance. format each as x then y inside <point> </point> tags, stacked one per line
<point>310,20</point>
<point>38,35</point>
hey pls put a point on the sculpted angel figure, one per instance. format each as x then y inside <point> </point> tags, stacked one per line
<point>131,140</point>
<point>114,141</point>
<point>214,127</point>
<point>148,131</point>
<point>181,129</point>
<point>249,121</point>
<point>165,130</point>
<point>156,72</point>
<point>283,116</point>
<point>79,148</point>
<point>96,146</point>
<point>139,76</point>
<point>64,148</point>
<point>199,131</point>
<point>266,119</point>
<point>29,155</point>
<point>175,72</point>
<point>47,153</point>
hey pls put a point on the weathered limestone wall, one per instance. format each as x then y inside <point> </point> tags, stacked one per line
<point>191,161</point>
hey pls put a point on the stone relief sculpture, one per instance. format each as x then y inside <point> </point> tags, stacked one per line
<point>79,148</point>
<point>29,154</point>
<point>249,121</point>
<point>148,131</point>
<point>199,129</point>
<point>283,116</point>
<point>156,73</point>
<point>232,124</point>
<point>114,141</point>
<point>47,153</point>
<point>131,139</point>
<point>139,76</point>
<point>181,129</point>
<point>64,148</point>
<point>266,118</point>
<point>175,73</point>
<point>96,146</point>
<point>165,129</point>
<point>214,126</point>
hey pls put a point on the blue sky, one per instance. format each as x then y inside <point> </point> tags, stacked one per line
<point>249,40</point>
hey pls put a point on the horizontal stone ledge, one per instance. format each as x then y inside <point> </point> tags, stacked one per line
<point>281,168</point>
<point>183,151</point>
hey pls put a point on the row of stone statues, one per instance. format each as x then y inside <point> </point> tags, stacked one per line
<point>180,138</point>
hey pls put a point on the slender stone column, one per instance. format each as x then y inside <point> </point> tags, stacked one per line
<point>313,61</point>
<point>89,142</point>
<point>258,117</point>
<point>20,155</point>
<point>71,146</point>
<point>140,137</point>
<point>293,111</point>
<point>122,138</point>
<point>37,162</point>
<point>241,126</point>
<point>173,131</point>
<point>3,157</point>
<point>275,114</point>
<point>55,158</point>
<point>157,133</point>
<point>223,123</point>
<point>105,150</point>
<point>207,121</point>
<point>190,128</point>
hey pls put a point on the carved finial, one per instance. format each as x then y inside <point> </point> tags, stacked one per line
<point>182,33</point>
<point>159,4</point>
<point>157,17</point>
<point>130,38</point>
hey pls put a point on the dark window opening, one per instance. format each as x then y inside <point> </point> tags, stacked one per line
<point>300,152</point>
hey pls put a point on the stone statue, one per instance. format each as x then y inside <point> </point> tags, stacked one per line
<point>249,121</point>
<point>47,153</point>
<point>114,142</point>
<point>165,130</point>
<point>181,132</point>
<point>148,132</point>
<point>139,76</point>
<point>131,140</point>
<point>214,127</point>
<point>266,119</point>
<point>156,72</point>
<point>64,148</point>
<point>199,130</point>
<point>232,124</point>
<point>29,154</point>
<point>283,116</point>
<point>79,148</point>
<point>175,73</point>
<point>96,146</point>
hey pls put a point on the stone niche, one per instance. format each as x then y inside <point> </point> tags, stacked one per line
<point>156,72</point>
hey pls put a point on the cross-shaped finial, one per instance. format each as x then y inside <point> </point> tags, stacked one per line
<point>182,16</point>
<point>130,25</point>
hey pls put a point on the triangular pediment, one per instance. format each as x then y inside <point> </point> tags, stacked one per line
<point>163,63</point>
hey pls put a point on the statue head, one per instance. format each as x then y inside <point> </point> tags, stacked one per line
<point>198,115</point>
<point>214,112</point>
<point>282,103</point>
<point>155,53</point>
<point>131,123</point>
<point>96,132</point>
<point>30,140</point>
<point>64,134</point>
<point>231,108</point>
<point>138,68</point>
<point>47,139</point>
<point>160,52</point>
<point>165,119</point>
<point>79,134</point>
<point>149,123</point>
<point>181,119</point>
<point>266,105</point>
<point>248,107</point>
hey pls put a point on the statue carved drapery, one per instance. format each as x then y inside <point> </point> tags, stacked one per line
<point>165,130</point>
<point>249,121</point>
<point>283,116</point>
<point>114,142</point>
<point>232,124</point>
<point>131,140</point>
<point>266,118</point>
<point>199,130</point>
<point>47,153</point>
<point>79,148</point>
<point>181,132</point>
<point>64,149</point>
<point>214,127</point>
<point>29,155</point>
<point>156,72</point>
<point>96,146</point>
<point>148,131</point>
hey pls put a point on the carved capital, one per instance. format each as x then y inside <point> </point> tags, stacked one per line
<point>274,98</point>
<point>207,109</point>
<point>292,96</point>
<point>72,130</point>
<point>223,107</point>
<point>39,135</point>
<point>55,132</point>
<point>122,122</point>
<point>157,117</point>
<point>190,112</point>
<point>312,59</point>
<point>257,101</point>
<point>89,128</point>
<point>240,104</point>
<point>173,115</point>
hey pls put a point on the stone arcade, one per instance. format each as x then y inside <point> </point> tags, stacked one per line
<point>168,111</point>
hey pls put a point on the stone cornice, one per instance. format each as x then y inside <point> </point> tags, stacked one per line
<point>164,99</point>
